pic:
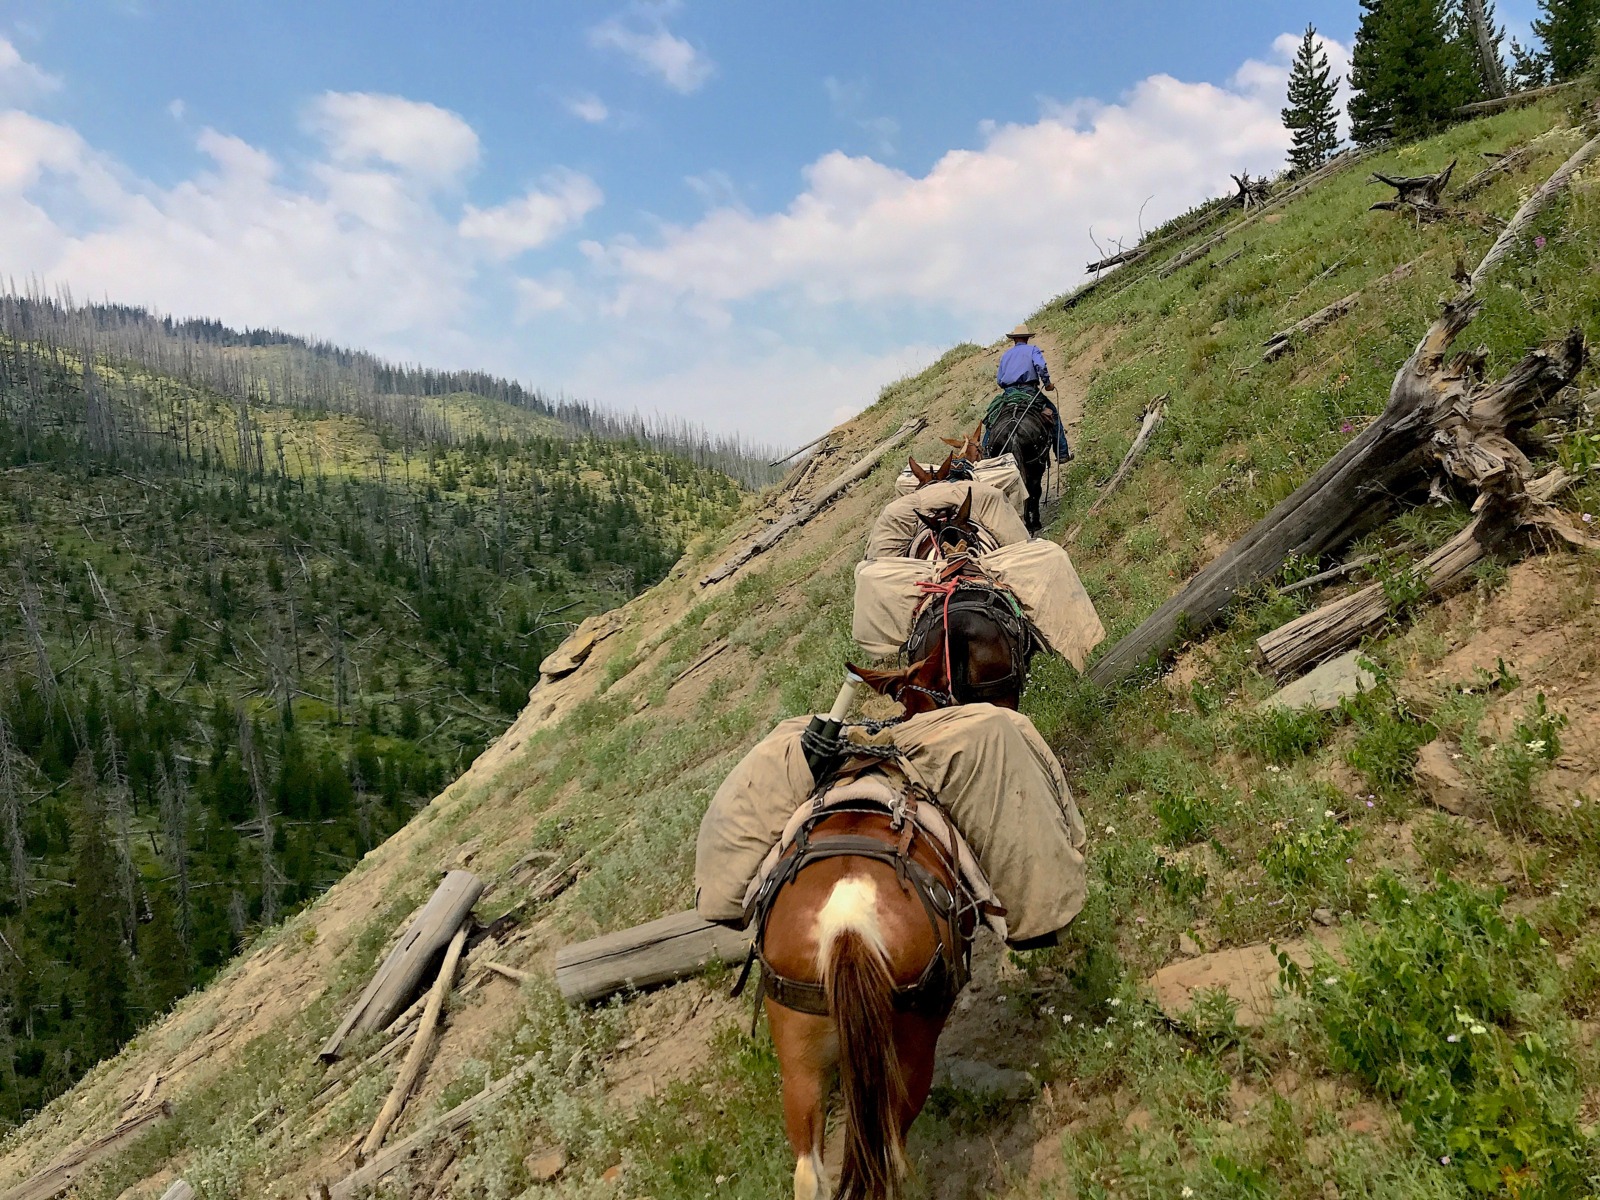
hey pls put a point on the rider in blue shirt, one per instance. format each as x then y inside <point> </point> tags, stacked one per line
<point>1023,366</point>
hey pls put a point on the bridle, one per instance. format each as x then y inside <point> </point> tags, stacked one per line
<point>964,585</point>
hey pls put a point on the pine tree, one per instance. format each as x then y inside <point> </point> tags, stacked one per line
<point>98,951</point>
<point>1568,31</point>
<point>1409,70</point>
<point>1310,114</point>
<point>1369,68</point>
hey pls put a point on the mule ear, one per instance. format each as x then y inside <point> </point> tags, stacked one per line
<point>957,443</point>
<point>944,468</point>
<point>888,683</point>
<point>932,522</point>
<point>975,441</point>
<point>917,469</point>
<point>964,513</point>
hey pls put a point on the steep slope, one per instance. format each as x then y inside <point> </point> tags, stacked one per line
<point>1215,826</point>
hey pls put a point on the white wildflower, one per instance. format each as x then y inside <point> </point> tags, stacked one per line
<point>1536,746</point>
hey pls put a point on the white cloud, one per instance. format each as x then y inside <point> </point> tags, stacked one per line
<point>985,233</point>
<point>641,34</point>
<point>533,219</point>
<point>1269,81</point>
<point>348,247</point>
<point>424,140</point>
<point>535,297</point>
<point>177,109</point>
<point>588,107</point>
<point>20,80</point>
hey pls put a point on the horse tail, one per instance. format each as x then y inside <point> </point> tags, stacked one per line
<point>860,992</point>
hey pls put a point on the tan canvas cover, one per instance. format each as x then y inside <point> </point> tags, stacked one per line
<point>990,769</point>
<point>899,524</point>
<point>1000,472</point>
<point>1042,577</point>
<point>886,599</point>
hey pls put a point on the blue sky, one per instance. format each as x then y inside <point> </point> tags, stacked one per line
<point>752,215</point>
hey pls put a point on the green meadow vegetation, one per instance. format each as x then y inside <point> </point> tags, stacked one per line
<point>1435,1035</point>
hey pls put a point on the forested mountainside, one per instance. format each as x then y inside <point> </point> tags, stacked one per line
<point>283,369</point>
<point>252,615</point>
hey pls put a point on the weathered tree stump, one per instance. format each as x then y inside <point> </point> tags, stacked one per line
<point>1252,192</point>
<point>1419,193</point>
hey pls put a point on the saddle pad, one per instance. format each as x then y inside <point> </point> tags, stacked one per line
<point>898,524</point>
<point>1041,575</point>
<point>887,597</point>
<point>876,788</point>
<point>1000,473</point>
<point>993,775</point>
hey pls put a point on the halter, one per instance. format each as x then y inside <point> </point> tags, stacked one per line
<point>964,584</point>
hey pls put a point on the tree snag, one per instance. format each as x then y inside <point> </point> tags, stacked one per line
<point>1419,193</point>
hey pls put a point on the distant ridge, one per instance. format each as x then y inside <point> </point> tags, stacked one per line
<point>270,365</point>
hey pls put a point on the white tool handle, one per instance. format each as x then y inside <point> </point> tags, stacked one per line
<point>846,698</point>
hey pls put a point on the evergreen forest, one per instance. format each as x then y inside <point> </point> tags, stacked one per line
<point>260,599</point>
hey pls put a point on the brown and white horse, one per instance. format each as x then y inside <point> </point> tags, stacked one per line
<point>855,927</point>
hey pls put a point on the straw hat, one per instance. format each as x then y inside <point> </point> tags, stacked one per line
<point>1021,331</point>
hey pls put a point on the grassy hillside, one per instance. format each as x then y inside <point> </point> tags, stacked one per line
<point>1438,1035</point>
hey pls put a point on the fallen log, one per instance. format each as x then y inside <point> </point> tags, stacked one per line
<point>1153,416</point>
<point>1283,341</point>
<point>645,956</point>
<point>1355,488</point>
<point>60,1175</point>
<point>1333,574</point>
<point>1326,631</point>
<point>1419,193</point>
<point>1332,167</point>
<point>797,517</point>
<point>1503,164</point>
<point>1531,208</point>
<point>511,973</point>
<point>400,977</point>
<point>180,1190</point>
<point>458,1118</point>
<point>421,1045</point>
<point>1482,108</point>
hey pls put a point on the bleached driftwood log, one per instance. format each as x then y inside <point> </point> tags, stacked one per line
<point>421,1045</point>
<point>1284,340</point>
<point>60,1175</point>
<point>645,956</point>
<point>1503,164</point>
<point>1153,416</point>
<point>399,979</point>
<point>778,530</point>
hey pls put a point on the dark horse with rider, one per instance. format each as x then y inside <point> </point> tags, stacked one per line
<point>1023,422</point>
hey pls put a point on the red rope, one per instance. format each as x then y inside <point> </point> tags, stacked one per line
<point>946,588</point>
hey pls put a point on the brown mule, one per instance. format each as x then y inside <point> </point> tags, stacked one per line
<point>969,447</point>
<point>855,927</point>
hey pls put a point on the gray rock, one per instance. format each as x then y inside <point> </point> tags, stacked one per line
<point>1324,687</point>
<point>1323,916</point>
<point>984,1080</point>
<point>1440,780</point>
<point>1188,947</point>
